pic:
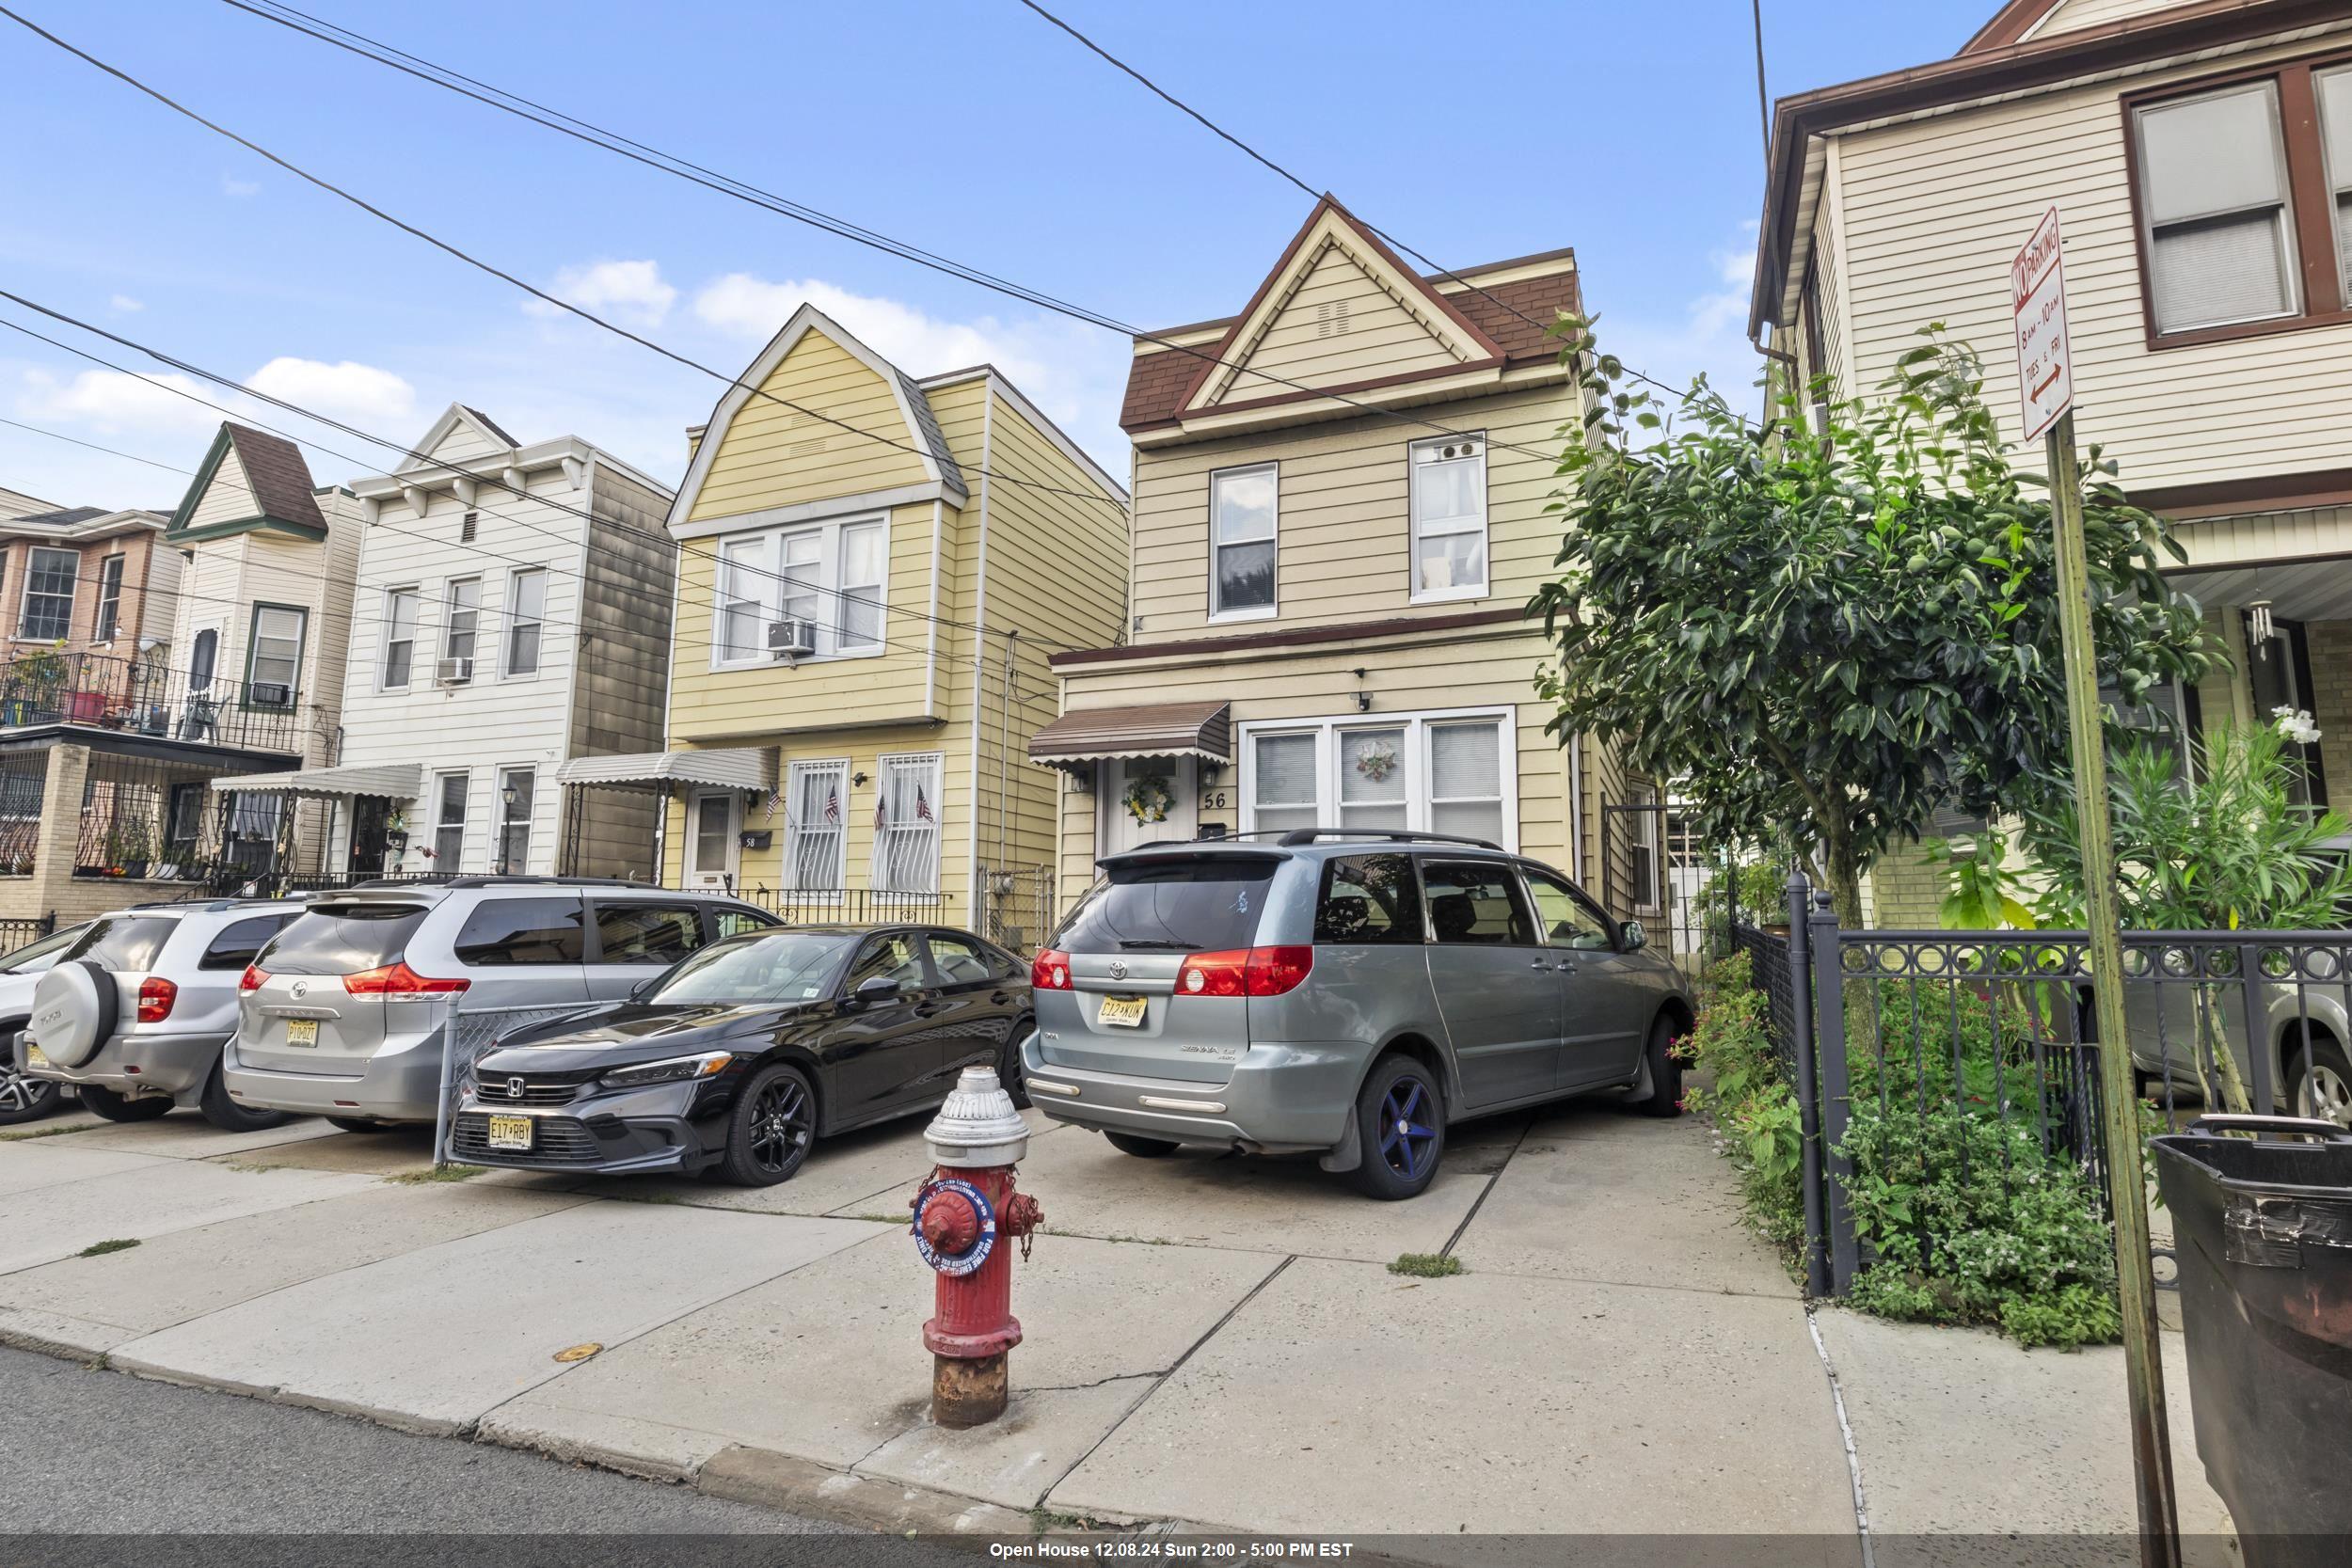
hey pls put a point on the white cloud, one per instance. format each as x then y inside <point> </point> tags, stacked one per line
<point>631,290</point>
<point>239,189</point>
<point>114,404</point>
<point>125,304</point>
<point>1709,337</point>
<point>1074,371</point>
<point>361,394</point>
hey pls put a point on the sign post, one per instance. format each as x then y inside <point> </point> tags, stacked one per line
<point>2046,389</point>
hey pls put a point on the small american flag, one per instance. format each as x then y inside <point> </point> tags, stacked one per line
<point>832,807</point>
<point>881,807</point>
<point>922,807</point>
<point>775,797</point>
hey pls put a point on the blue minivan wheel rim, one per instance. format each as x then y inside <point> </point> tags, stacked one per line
<point>1408,1128</point>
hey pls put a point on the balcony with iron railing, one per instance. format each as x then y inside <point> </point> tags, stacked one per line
<point>137,697</point>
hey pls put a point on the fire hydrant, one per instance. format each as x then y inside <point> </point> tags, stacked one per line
<point>965,1214</point>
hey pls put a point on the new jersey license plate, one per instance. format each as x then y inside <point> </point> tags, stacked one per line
<point>302,1031</point>
<point>34,1056</point>
<point>1122,1012</point>
<point>510,1132</point>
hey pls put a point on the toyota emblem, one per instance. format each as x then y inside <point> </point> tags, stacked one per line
<point>514,1088</point>
<point>1118,968</point>
<point>301,987</point>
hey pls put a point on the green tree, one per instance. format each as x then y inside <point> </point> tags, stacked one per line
<point>1824,636</point>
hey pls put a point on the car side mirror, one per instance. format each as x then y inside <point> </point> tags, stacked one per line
<point>643,988</point>
<point>1634,937</point>
<point>879,988</point>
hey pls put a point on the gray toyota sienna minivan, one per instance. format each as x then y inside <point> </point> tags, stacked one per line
<point>1345,992</point>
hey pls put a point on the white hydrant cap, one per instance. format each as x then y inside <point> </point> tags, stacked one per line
<point>978,1125</point>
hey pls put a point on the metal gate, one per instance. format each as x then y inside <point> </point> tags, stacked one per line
<point>1016,906</point>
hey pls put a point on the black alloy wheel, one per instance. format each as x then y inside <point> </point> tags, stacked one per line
<point>772,1128</point>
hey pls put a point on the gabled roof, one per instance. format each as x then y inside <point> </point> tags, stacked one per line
<point>77,524</point>
<point>2022,19</point>
<point>278,489</point>
<point>921,433</point>
<point>456,417</point>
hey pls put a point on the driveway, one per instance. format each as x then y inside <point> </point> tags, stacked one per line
<point>1212,1340</point>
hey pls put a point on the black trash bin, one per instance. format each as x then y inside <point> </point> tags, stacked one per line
<point>2262,1229</point>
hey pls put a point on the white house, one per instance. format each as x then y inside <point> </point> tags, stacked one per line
<point>512,613</point>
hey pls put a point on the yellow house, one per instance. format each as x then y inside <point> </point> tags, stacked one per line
<point>1339,518</point>
<point>873,571</point>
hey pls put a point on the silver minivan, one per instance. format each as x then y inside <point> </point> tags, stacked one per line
<point>342,1014</point>
<point>1346,994</point>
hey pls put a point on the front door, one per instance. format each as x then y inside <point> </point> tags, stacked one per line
<point>369,816</point>
<point>714,822</point>
<point>1496,988</point>
<point>1133,789</point>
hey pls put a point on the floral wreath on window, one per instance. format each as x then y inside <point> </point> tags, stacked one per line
<point>1378,763</point>
<point>1147,798</point>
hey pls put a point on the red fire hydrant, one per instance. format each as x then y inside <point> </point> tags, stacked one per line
<point>966,1215</point>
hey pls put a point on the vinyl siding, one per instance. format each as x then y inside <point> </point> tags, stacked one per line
<point>771,455</point>
<point>1339,326</point>
<point>2073,15</point>
<point>230,497</point>
<point>1343,540</point>
<point>1932,213</point>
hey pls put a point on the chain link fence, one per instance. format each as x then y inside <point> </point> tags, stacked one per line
<point>467,1034</point>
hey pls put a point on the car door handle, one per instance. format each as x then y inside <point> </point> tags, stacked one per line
<point>1539,964</point>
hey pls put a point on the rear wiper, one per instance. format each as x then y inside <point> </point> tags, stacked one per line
<point>1155,946</point>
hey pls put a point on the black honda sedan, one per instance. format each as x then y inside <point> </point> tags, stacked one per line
<point>738,1058</point>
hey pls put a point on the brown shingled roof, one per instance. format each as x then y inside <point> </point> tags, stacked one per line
<point>280,478</point>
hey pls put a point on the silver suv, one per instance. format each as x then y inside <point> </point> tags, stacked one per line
<point>342,1014</point>
<point>136,1012</point>
<point>1349,994</point>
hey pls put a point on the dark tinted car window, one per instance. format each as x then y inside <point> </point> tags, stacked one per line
<point>502,931</point>
<point>1369,900</point>
<point>646,933</point>
<point>1567,918</point>
<point>963,960</point>
<point>126,941</point>
<point>780,966</point>
<point>1208,903</point>
<point>342,939</point>
<point>733,920</point>
<point>239,942</point>
<point>1477,903</point>
<point>892,958</point>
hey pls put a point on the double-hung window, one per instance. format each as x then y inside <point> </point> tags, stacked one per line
<point>2244,195</point>
<point>744,594</point>
<point>1242,524</point>
<point>526,610</point>
<point>830,580</point>
<point>400,636</point>
<point>1449,504</point>
<point>48,612</point>
<point>906,825</point>
<point>273,660</point>
<point>800,564</point>
<point>1437,772</point>
<point>815,830</point>
<point>448,819</point>
<point>515,789</point>
<point>109,599</point>
<point>859,622</point>
<point>461,618</point>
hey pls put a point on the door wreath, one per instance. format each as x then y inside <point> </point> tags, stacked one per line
<point>1147,798</point>
<point>1378,763</point>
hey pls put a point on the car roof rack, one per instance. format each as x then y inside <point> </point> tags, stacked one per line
<point>519,880</point>
<point>1294,837</point>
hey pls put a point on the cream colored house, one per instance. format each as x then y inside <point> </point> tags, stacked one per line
<point>2200,158</point>
<point>1339,518</point>
<point>872,572</point>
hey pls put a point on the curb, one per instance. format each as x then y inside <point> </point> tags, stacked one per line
<point>771,1479</point>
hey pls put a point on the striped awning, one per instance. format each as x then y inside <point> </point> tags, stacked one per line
<point>741,768</point>
<point>1151,730</point>
<point>392,781</point>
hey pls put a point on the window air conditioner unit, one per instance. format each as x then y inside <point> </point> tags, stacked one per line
<point>271,694</point>
<point>454,672</point>
<point>791,639</point>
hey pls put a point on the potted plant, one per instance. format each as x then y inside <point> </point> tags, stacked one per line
<point>396,833</point>
<point>33,682</point>
<point>133,848</point>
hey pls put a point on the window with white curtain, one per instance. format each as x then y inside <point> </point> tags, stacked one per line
<point>109,598</point>
<point>861,610</point>
<point>833,576</point>
<point>741,622</point>
<point>450,805</point>
<point>400,636</point>
<point>2333,90</point>
<point>1437,772</point>
<point>1242,524</point>
<point>47,615</point>
<point>816,828</point>
<point>526,612</point>
<point>273,672</point>
<point>906,824</point>
<point>461,617</point>
<point>2212,177</point>
<point>1449,506</point>
<point>803,569</point>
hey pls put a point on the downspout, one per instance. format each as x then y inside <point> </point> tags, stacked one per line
<point>930,650</point>
<point>979,660</point>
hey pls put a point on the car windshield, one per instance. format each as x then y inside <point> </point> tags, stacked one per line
<point>770,966</point>
<point>125,941</point>
<point>37,956</point>
<point>1172,906</point>
<point>342,939</point>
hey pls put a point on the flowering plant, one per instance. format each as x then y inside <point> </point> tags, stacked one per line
<point>1147,798</point>
<point>2296,725</point>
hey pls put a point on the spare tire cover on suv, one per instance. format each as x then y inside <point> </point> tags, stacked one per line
<point>75,1008</point>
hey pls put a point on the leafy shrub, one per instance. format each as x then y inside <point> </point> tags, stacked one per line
<point>1752,1103</point>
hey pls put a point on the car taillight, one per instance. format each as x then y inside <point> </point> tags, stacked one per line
<point>156,995</point>
<point>1244,972</point>
<point>252,979</point>
<point>1050,971</point>
<point>399,980</point>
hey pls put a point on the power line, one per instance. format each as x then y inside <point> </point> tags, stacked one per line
<point>741,191</point>
<point>59,435</point>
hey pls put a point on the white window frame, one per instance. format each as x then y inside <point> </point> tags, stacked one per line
<point>106,622</point>
<point>503,824</point>
<point>1274,537</point>
<point>1414,760</point>
<point>766,590</point>
<point>195,633</point>
<point>884,766</point>
<point>2290,260</point>
<point>2337,182</point>
<point>1448,528</point>
<point>391,625</point>
<point>25,596</point>
<point>451,610</point>
<point>796,830</point>
<point>441,819</point>
<point>511,621</point>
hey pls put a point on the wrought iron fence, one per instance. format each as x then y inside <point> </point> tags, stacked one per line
<point>135,696</point>
<point>24,930</point>
<point>24,786</point>
<point>851,905</point>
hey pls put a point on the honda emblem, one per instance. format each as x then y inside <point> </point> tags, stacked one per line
<point>514,1088</point>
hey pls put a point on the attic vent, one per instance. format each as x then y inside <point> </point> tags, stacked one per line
<point>1331,319</point>
<point>466,527</point>
<point>807,448</point>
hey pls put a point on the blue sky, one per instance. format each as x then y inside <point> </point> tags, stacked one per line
<point>968,127</point>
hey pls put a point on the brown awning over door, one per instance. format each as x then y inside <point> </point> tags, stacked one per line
<point>1152,730</point>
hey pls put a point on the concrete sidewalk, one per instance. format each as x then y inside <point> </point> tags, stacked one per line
<point>1211,1341</point>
